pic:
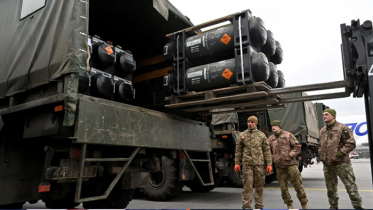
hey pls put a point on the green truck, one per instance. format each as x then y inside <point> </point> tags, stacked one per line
<point>303,119</point>
<point>65,147</point>
<point>84,117</point>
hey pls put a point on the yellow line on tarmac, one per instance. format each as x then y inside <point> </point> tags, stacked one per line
<point>320,189</point>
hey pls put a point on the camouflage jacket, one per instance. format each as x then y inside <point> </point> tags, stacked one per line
<point>285,147</point>
<point>252,149</point>
<point>335,138</point>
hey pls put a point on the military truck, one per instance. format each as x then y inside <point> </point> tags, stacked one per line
<point>83,122</point>
<point>302,120</point>
<point>299,118</point>
<point>83,104</point>
<point>68,132</point>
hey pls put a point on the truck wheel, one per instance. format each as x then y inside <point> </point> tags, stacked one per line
<point>118,199</point>
<point>66,202</point>
<point>234,178</point>
<point>196,186</point>
<point>164,185</point>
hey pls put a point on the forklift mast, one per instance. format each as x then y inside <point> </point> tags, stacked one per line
<point>357,53</point>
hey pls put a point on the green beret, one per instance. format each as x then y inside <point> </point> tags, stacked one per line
<point>276,123</point>
<point>331,111</point>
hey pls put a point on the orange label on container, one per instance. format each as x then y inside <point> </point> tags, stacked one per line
<point>226,39</point>
<point>109,50</point>
<point>227,74</point>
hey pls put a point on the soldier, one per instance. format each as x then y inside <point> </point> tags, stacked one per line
<point>253,150</point>
<point>336,143</point>
<point>285,148</point>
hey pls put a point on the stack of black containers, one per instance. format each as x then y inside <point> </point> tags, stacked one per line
<point>110,75</point>
<point>224,56</point>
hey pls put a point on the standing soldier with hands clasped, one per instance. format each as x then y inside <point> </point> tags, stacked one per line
<point>253,150</point>
<point>336,143</point>
<point>285,148</point>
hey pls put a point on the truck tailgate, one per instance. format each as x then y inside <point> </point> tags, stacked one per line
<point>100,121</point>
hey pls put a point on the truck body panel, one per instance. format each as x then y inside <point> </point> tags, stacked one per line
<point>298,118</point>
<point>110,123</point>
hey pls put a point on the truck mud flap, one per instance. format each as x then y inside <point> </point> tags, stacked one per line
<point>208,162</point>
<point>128,161</point>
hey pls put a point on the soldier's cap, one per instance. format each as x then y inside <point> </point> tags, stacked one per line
<point>276,123</point>
<point>253,118</point>
<point>331,111</point>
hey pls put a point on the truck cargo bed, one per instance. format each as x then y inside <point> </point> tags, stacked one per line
<point>100,121</point>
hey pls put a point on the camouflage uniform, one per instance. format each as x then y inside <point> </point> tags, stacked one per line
<point>285,148</point>
<point>336,142</point>
<point>253,150</point>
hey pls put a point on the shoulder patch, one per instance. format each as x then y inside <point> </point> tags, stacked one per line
<point>346,134</point>
<point>296,140</point>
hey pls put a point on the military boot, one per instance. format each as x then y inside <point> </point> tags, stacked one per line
<point>246,207</point>
<point>290,206</point>
<point>304,206</point>
<point>332,207</point>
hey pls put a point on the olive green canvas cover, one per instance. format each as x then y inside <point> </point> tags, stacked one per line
<point>51,41</point>
<point>42,46</point>
<point>299,118</point>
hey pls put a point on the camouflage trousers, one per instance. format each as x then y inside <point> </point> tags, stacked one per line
<point>345,172</point>
<point>292,174</point>
<point>253,174</point>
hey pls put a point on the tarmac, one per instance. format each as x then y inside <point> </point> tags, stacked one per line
<point>230,198</point>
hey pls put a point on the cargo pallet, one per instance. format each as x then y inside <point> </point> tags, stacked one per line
<point>252,97</point>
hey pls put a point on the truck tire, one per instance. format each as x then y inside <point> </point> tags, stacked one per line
<point>66,202</point>
<point>118,199</point>
<point>164,185</point>
<point>234,178</point>
<point>195,185</point>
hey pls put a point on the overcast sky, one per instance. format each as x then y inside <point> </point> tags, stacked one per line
<point>309,32</point>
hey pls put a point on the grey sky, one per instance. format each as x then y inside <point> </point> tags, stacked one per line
<point>309,32</point>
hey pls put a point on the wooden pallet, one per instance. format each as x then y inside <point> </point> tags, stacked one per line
<point>253,96</point>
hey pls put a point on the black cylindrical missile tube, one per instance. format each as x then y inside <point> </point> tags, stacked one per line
<point>125,64</point>
<point>273,75</point>
<point>102,85</point>
<point>281,79</point>
<point>223,73</point>
<point>220,41</point>
<point>269,48</point>
<point>103,55</point>
<point>124,91</point>
<point>278,56</point>
<point>210,76</point>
